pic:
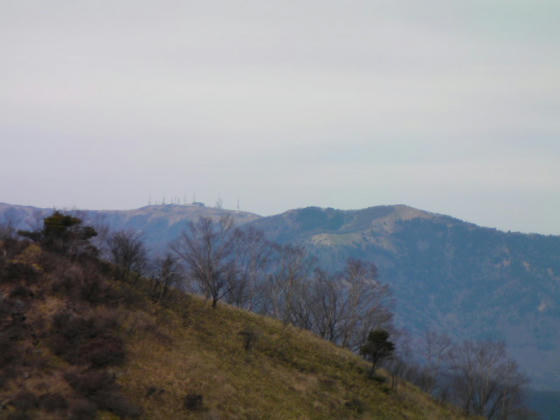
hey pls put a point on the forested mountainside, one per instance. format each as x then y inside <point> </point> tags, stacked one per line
<point>446,275</point>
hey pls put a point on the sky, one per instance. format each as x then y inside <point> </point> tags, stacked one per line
<point>450,106</point>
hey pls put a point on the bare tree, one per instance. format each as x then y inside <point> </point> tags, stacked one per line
<point>327,305</point>
<point>207,250</point>
<point>252,255</point>
<point>7,231</point>
<point>128,253</point>
<point>168,273</point>
<point>486,382</point>
<point>437,350</point>
<point>286,293</point>
<point>366,305</point>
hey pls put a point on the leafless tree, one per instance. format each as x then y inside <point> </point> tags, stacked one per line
<point>436,351</point>
<point>168,273</point>
<point>253,255</point>
<point>207,250</point>
<point>341,307</point>
<point>128,253</point>
<point>486,382</point>
<point>286,293</point>
<point>327,305</point>
<point>366,305</point>
<point>7,231</point>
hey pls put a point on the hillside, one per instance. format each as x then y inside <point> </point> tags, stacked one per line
<point>446,274</point>
<point>76,343</point>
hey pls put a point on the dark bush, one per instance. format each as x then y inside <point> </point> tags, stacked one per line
<point>132,297</point>
<point>21,292</point>
<point>102,351</point>
<point>25,401</point>
<point>101,389</point>
<point>378,378</point>
<point>83,283</point>
<point>86,341</point>
<point>83,409</point>
<point>193,402</point>
<point>114,401</point>
<point>63,285</point>
<point>355,405</point>
<point>6,306</point>
<point>18,272</point>
<point>93,289</point>
<point>249,338</point>
<point>8,351</point>
<point>15,329</point>
<point>154,392</point>
<point>18,415</point>
<point>73,328</point>
<point>52,402</point>
<point>90,382</point>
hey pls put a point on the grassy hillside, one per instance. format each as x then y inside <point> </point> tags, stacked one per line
<point>75,343</point>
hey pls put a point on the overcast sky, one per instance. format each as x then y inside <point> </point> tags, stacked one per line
<point>451,106</point>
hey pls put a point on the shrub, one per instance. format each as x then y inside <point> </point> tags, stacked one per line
<point>18,415</point>
<point>83,283</point>
<point>102,351</point>
<point>249,338</point>
<point>114,401</point>
<point>18,271</point>
<point>100,388</point>
<point>21,292</point>
<point>52,402</point>
<point>15,329</point>
<point>90,382</point>
<point>25,401</point>
<point>193,402</point>
<point>355,405</point>
<point>8,351</point>
<point>86,341</point>
<point>93,289</point>
<point>82,409</point>
<point>154,392</point>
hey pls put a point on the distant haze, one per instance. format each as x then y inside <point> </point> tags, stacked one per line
<point>448,106</point>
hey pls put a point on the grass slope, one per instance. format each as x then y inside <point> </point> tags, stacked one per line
<point>172,349</point>
<point>288,374</point>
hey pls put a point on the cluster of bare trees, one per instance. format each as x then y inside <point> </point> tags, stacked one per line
<point>243,268</point>
<point>477,376</point>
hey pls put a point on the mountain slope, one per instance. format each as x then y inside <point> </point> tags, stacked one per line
<point>447,275</point>
<point>82,343</point>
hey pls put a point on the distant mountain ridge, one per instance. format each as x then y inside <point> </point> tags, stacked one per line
<point>159,224</point>
<point>446,274</point>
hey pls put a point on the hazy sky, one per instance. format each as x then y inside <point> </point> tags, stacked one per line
<point>451,106</point>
